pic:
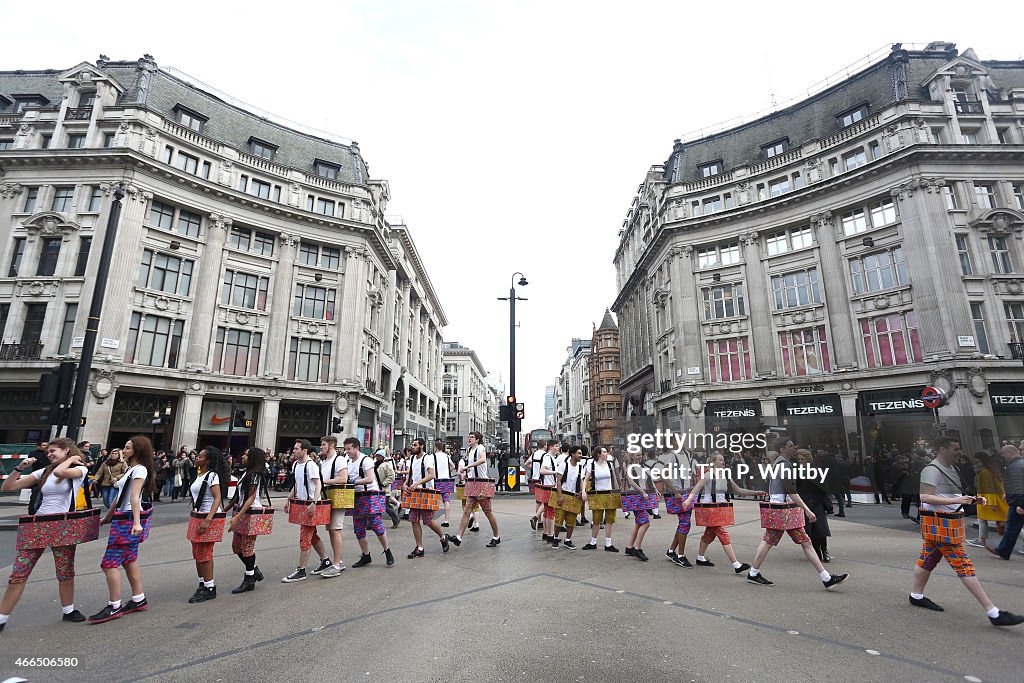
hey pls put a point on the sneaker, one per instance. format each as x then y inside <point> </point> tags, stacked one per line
<point>494,543</point>
<point>841,514</point>
<point>742,568</point>
<point>297,575</point>
<point>129,607</point>
<point>590,546</point>
<point>835,580</point>
<point>670,554</point>
<point>627,515</point>
<point>417,552</point>
<point>611,549</point>
<point>655,515</point>
<point>545,538</point>
<point>926,603</point>
<point>640,555</point>
<point>77,617</point>
<point>453,539</point>
<point>444,524</point>
<point>362,561</point>
<point>202,594</point>
<point>444,544</point>
<point>475,529</point>
<point>976,542</point>
<point>533,523</point>
<point>1006,619</point>
<point>324,564</point>
<point>108,613</point>
<point>569,545</point>
<point>332,571</point>
<point>682,561</point>
<point>1021,551</point>
<point>760,580</point>
<point>394,525</point>
<point>705,563</point>
<point>390,557</point>
<point>555,542</point>
<point>629,551</point>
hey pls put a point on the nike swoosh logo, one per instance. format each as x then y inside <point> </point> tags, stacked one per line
<point>218,420</point>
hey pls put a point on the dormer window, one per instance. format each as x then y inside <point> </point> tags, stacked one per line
<point>776,148</point>
<point>851,117</point>
<point>86,98</point>
<point>190,119</point>
<point>23,102</point>
<point>326,170</point>
<point>711,169</point>
<point>264,150</point>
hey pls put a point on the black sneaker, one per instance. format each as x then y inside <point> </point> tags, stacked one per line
<point>705,563</point>
<point>298,575</point>
<point>444,524</point>
<point>362,561</point>
<point>611,549</point>
<point>1006,619</point>
<point>682,561</point>
<point>108,613</point>
<point>475,529</point>
<point>742,568</point>
<point>533,523</point>
<point>494,543</point>
<point>926,603</point>
<point>655,516</point>
<point>835,580</point>
<point>417,552</point>
<point>203,594</point>
<point>590,546</point>
<point>671,555</point>
<point>390,557</point>
<point>555,542</point>
<point>444,544</point>
<point>77,617</point>
<point>760,580</point>
<point>324,564</point>
<point>132,606</point>
<point>546,538</point>
<point>640,555</point>
<point>453,539</point>
<point>569,545</point>
<point>629,551</point>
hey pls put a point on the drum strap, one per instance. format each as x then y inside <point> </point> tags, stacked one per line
<point>958,485</point>
<point>198,502</point>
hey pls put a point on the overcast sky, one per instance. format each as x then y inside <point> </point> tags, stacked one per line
<point>514,134</point>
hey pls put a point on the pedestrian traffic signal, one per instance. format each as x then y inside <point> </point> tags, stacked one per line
<point>511,400</point>
<point>520,411</point>
<point>240,420</point>
<point>504,413</point>
<point>335,425</point>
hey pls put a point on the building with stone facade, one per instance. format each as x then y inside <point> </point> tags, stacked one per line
<point>572,395</point>
<point>467,398</point>
<point>253,263</point>
<point>815,269</point>
<point>604,379</point>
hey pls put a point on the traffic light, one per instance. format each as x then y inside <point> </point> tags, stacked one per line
<point>510,400</point>
<point>240,420</point>
<point>520,411</point>
<point>82,423</point>
<point>335,425</point>
<point>504,413</point>
<point>55,393</point>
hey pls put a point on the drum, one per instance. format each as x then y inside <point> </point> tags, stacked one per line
<point>397,484</point>
<point>342,496</point>
<point>943,527</point>
<point>422,499</point>
<point>255,522</point>
<point>604,500</point>
<point>782,516</point>
<point>541,493</point>
<point>674,505</point>
<point>570,502</point>
<point>213,534</point>
<point>298,512</point>
<point>714,514</point>
<point>369,503</point>
<point>64,528</point>
<point>634,502</point>
<point>121,526</point>
<point>460,491</point>
<point>445,486</point>
<point>479,488</point>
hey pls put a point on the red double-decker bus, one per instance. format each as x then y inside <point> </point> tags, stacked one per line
<point>532,437</point>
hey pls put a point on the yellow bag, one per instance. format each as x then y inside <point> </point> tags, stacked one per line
<point>81,503</point>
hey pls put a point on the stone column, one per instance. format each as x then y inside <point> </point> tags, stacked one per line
<point>832,277</point>
<point>10,196</point>
<point>689,350</point>
<point>117,306</point>
<point>349,330</point>
<point>280,308</point>
<point>186,422</point>
<point>758,306</point>
<point>266,430</point>
<point>204,306</point>
<point>403,326</point>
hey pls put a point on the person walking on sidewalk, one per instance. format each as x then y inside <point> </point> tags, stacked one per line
<point>475,470</point>
<point>989,479</point>
<point>250,490</point>
<point>112,469</point>
<point>422,471</point>
<point>1013,483</point>
<point>306,487</point>
<point>333,472</point>
<point>384,466</point>
<point>363,475</point>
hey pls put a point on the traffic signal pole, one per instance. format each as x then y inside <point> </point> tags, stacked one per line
<point>513,432</point>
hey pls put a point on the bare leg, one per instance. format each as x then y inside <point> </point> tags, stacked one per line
<point>66,590</point>
<point>812,556</point>
<point>494,523</point>
<point>730,553</point>
<point>336,545</point>
<point>975,589</point>
<point>131,570</point>
<point>608,531</point>
<point>11,597</point>
<point>417,533</point>
<point>921,577</point>
<point>113,575</point>
<point>762,552</point>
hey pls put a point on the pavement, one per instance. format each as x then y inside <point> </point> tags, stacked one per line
<point>523,611</point>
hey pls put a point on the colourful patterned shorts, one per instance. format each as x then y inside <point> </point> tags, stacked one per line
<point>63,561</point>
<point>713,532</point>
<point>421,516</point>
<point>360,524</point>
<point>243,545</point>
<point>446,487</point>
<point>603,517</point>
<point>684,523</point>
<point>641,517</point>
<point>307,537</point>
<point>118,555</point>
<point>484,503</point>
<point>549,512</point>
<point>955,555</point>
<point>773,536</point>
<point>202,552</point>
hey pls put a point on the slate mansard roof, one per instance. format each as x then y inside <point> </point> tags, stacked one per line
<point>148,86</point>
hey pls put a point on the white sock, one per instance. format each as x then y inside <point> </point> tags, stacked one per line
<point>250,573</point>
<point>917,596</point>
<point>139,598</point>
<point>593,540</point>
<point>754,571</point>
<point>702,558</point>
<point>208,584</point>
<point>202,580</point>
<point>116,604</point>
<point>607,543</point>
<point>4,618</point>
<point>458,538</point>
<point>68,609</point>
<point>994,612</point>
<point>736,565</point>
<point>495,538</point>
<point>825,576</point>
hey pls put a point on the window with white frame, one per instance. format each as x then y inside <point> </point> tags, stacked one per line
<point>167,217</point>
<point>712,204</point>
<point>711,169</point>
<point>775,149</point>
<point>805,352</point>
<point>980,332</point>
<point>779,186</point>
<point>882,213</point>
<point>1018,195</point>
<point>854,222</point>
<point>952,197</point>
<point>63,198</point>
<point>853,116</point>
<point>723,301</point>
<point>191,120</point>
<point>237,352</point>
<point>963,252</point>
<point>309,360</point>
<point>729,360</point>
<point>1015,320</point>
<point>969,137</point>
<point>729,254</point>
<point>244,290</point>
<point>800,238</point>
<point>879,271</point>
<point>314,302</point>
<point>891,340</point>
<point>76,141</point>
<point>799,288</point>
<point>999,250</point>
<point>984,196</point>
<point>776,243</point>
<point>259,148</point>
<point>165,273</point>
<point>154,340</point>
<point>854,159</point>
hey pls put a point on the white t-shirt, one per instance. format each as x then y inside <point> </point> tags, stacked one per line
<point>714,491</point>
<point>260,492</point>
<point>538,456</point>
<point>472,455</point>
<point>602,475</point>
<point>211,480</point>
<point>548,464</point>
<point>419,469</point>
<point>334,464</point>
<point>365,463</point>
<point>560,460</point>
<point>443,466</point>
<point>135,472</point>
<point>58,493</point>
<point>572,476</point>
<point>307,470</point>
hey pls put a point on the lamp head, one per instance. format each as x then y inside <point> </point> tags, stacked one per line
<point>523,282</point>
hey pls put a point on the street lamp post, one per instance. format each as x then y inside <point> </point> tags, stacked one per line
<point>512,298</point>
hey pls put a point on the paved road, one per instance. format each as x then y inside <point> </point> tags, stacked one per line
<point>524,612</point>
